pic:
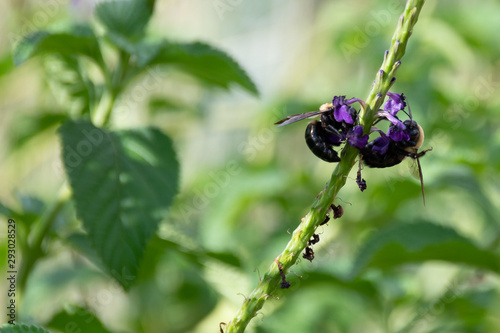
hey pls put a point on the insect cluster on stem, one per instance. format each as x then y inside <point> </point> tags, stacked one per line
<point>339,124</point>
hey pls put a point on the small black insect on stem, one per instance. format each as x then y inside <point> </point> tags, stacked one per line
<point>309,254</point>
<point>338,211</point>
<point>314,240</point>
<point>360,181</point>
<point>284,283</point>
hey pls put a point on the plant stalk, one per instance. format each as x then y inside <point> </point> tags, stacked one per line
<point>34,246</point>
<point>384,79</point>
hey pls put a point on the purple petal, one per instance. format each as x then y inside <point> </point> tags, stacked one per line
<point>396,134</point>
<point>395,103</point>
<point>381,145</point>
<point>358,130</point>
<point>342,114</point>
<point>338,100</point>
<point>356,138</point>
<point>395,121</point>
<point>354,100</point>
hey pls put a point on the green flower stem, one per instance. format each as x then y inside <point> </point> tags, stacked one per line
<point>115,82</point>
<point>392,60</point>
<point>383,81</point>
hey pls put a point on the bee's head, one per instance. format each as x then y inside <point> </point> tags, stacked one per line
<point>416,133</point>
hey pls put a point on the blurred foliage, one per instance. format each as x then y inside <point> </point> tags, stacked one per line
<point>388,265</point>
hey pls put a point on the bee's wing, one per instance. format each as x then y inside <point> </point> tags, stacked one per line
<point>416,171</point>
<point>298,117</point>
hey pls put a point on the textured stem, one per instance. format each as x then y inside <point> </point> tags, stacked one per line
<point>383,81</point>
<point>392,60</point>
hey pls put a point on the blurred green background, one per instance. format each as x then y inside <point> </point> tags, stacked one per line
<point>245,184</point>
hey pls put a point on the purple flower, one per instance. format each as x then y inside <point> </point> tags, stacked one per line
<point>397,131</point>
<point>356,138</point>
<point>398,134</point>
<point>381,144</point>
<point>338,101</point>
<point>342,111</point>
<point>395,103</point>
<point>354,100</point>
<point>395,121</point>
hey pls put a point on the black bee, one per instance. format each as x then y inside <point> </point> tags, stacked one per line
<point>399,150</point>
<point>320,135</point>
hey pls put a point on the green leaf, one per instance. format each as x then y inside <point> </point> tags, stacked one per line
<point>29,46</point>
<point>80,242</point>
<point>204,62</point>
<point>77,319</point>
<point>123,182</point>
<point>417,242</point>
<point>124,43</point>
<point>363,287</point>
<point>21,328</point>
<point>467,183</point>
<point>77,40</point>
<point>9,212</point>
<point>6,64</point>
<point>32,208</point>
<point>128,18</point>
<point>227,258</point>
<point>74,79</point>
<point>157,104</point>
<point>29,127</point>
<point>25,218</point>
<point>198,256</point>
<point>472,306</point>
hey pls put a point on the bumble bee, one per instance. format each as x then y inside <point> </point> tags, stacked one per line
<point>323,134</point>
<point>399,150</point>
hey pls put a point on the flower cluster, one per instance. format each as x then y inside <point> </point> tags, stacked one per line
<point>397,131</point>
<point>339,124</point>
<point>344,123</point>
<point>346,119</point>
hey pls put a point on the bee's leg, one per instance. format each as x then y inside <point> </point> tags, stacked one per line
<point>332,130</point>
<point>325,123</point>
<point>422,153</point>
